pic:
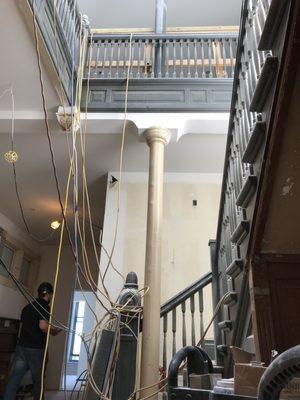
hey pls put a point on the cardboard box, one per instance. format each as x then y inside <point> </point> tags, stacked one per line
<point>246,379</point>
<point>241,356</point>
<point>205,381</point>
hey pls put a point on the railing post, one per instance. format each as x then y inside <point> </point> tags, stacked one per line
<point>215,294</point>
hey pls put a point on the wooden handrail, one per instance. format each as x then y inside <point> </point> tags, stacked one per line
<point>185,294</point>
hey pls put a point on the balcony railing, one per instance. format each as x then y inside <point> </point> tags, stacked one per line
<point>162,56</point>
<point>171,72</point>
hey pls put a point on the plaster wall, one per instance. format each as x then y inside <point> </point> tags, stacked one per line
<point>186,231</point>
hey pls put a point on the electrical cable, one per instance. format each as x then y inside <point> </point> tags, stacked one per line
<point>121,154</point>
<point>64,224</point>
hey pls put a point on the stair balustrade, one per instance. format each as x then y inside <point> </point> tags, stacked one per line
<point>182,319</point>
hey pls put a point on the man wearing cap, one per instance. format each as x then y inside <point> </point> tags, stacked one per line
<point>32,342</point>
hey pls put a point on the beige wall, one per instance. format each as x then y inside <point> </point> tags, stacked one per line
<point>186,232</point>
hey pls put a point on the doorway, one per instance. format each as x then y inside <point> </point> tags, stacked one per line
<point>82,322</point>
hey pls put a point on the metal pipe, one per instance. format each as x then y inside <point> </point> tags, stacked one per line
<point>160,16</point>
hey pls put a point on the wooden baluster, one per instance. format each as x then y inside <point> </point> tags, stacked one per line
<point>167,59</point>
<point>192,305</point>
<point>246,76</point>
<point>183,309</point>
<point>238,157</point>
<point>210,56</point>
<point>138,72</point>
<point>201,309</point>
<point>223,44</point>
<point>165,331</point>
<point>146,43</point>
<point>131,61</point>
<point>112,45</point>
<point>195,59</point>
<point>254,40</point>
<point>96,71</point>
<point>261,15</point>
<point>126,44</point>
<point>160,59</point>
<point>174,331</point>
<point>217,47</point>
<point>153,59</point>
<point>231,57</point>
<point>104,58</point>
<point>249,71</point>
<point>240,141</point>
<point>118,59</point>
<point>188,58</point>
<point>181,58</point>
<point>242,125</point>
<point>202,58</point>
<point>234,164</point>
<point>174,58</point>
<point>257,29</point>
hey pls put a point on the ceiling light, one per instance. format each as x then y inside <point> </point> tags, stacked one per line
<point>11,156</point>
<point>55,225</point>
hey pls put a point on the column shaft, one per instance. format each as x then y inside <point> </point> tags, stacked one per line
<point>152,300</point>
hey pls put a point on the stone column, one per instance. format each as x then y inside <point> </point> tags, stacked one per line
<point>156,139</point>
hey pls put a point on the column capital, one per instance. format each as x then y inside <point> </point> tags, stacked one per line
<point>157,134</point>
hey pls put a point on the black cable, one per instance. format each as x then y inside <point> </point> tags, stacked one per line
<point>18,197</point>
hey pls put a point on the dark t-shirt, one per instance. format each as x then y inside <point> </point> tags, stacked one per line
<point>31,336</point>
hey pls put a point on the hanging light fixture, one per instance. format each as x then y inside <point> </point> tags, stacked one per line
<point>55,224</point>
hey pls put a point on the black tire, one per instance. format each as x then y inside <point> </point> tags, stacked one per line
<point>280,372</point>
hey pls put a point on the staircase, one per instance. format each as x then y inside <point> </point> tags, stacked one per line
<point>263,38</point>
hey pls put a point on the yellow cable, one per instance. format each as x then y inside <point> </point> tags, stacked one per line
<point>121,155</point>
<point>54,288</point>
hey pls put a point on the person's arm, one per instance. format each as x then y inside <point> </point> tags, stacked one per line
<point>43,325</point>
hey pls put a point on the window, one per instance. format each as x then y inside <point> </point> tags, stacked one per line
<point>77,325</point>
<point>25,270</point>
<point>7,257</point>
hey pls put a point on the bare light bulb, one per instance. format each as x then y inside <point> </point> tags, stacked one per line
<point>55,225</point>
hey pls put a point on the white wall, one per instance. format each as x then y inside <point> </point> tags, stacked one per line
<point>11,300</point>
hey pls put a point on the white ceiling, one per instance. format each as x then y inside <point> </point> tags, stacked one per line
<point>202,150</point>
<point>141,13</point>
